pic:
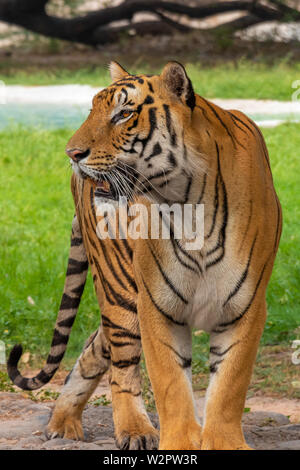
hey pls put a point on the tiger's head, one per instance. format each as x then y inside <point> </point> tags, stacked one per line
<point>135,139</point>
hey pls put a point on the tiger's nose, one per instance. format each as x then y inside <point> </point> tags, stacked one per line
<point>77,154</point>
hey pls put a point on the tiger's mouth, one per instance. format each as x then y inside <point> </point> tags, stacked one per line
<point>106,189</point>
<point>119,181</point>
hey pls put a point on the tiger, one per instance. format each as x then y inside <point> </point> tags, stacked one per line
<point>152,139</point>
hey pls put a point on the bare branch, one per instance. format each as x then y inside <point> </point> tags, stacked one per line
<point>95,27</point>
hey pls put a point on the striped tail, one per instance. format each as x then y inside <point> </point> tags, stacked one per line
<point>73,289</point>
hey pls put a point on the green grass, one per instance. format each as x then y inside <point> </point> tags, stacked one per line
<point>36,215</point>
<point>283,297</point>
<point>37,210</point>
<point>242,80</point>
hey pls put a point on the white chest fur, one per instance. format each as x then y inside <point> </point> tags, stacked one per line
<point>213,288</point>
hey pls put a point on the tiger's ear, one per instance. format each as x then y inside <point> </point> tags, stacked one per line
<point>177,82</point>
<point>116,71</point>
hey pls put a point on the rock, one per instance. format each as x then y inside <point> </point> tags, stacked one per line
<point>292,428</point>
<point>23,423</point>
<point>85,446</point>
<point>57,443</point>
<point>28,443</point>
<point>289,445</point>
<point>106,444</point>
<point>268,437</point>
<point>263,418</point>
<point>12,429</point>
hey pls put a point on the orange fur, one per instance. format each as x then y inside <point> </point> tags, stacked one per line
<point>181,148</point>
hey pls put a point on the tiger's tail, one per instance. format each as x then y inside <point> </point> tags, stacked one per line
<point>73,289</point>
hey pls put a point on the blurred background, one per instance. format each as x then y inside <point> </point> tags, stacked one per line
<point>242,54</point>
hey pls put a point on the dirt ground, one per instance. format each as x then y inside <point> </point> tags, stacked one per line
<point>271,423</point>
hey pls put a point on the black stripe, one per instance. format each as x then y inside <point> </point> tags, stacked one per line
<point>242,122</point>
<point>220,120</point>
<point>236,124</point>
<point>117,344</point>
<point>187,189</point>
<point>202,189</point>
<point>248,224</point>
<point>157,175</point>
<point>44,377</point>
<point>111,324</point>
<point>129,85</point>
<point>111,266</point>
<point>93,207</point>
<point>222,233</point>
<point>76,267</point>
<point>55,359</point>
<point>186,361</point>
<point>168,117</point>
<point>127,362</point>
<point>164,183</point>
<point>150,87</point>
<point>148,100</point>
<point>130,280</point>
<point>216,205</point>
<point>159,309</point>
<point>166,278</point>
<point>126,334</point>
<point>68,322</point>
<point>93,230</point>
<point>172,159</point>
<point>155,151</point>
<point>121,301</point>
<point>215,261</point>
<point>172,134</point>
<point>131,393</point>
<point>222,325</point>
<point>76,241</point>
<point>243,277</point>
<point>175,247</point>
<point>125,93</point>
<point>175,242</point>
<point>91,377</point>
<point>263,144</point>
<point>125,243</point>
<point>213,367</point>
<point>118,248</point>
<point>59,338</point>
<point>278,222</point>
<point>214,349</point>
<point>205,115</point>
<point>68,302</point>
<point>103,282</point>
<point>132,78</point>
<point>79,289</point>
<point>105,353</point>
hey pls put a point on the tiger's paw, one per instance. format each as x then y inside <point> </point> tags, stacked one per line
<point>134,441</point>
<point>68,427</point>
<point>187,436</point>
<point>216,441</point>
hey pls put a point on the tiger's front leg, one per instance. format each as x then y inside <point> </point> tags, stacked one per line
<point>168,352</point>
<point>233,351</point>
<point>133,428</point>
